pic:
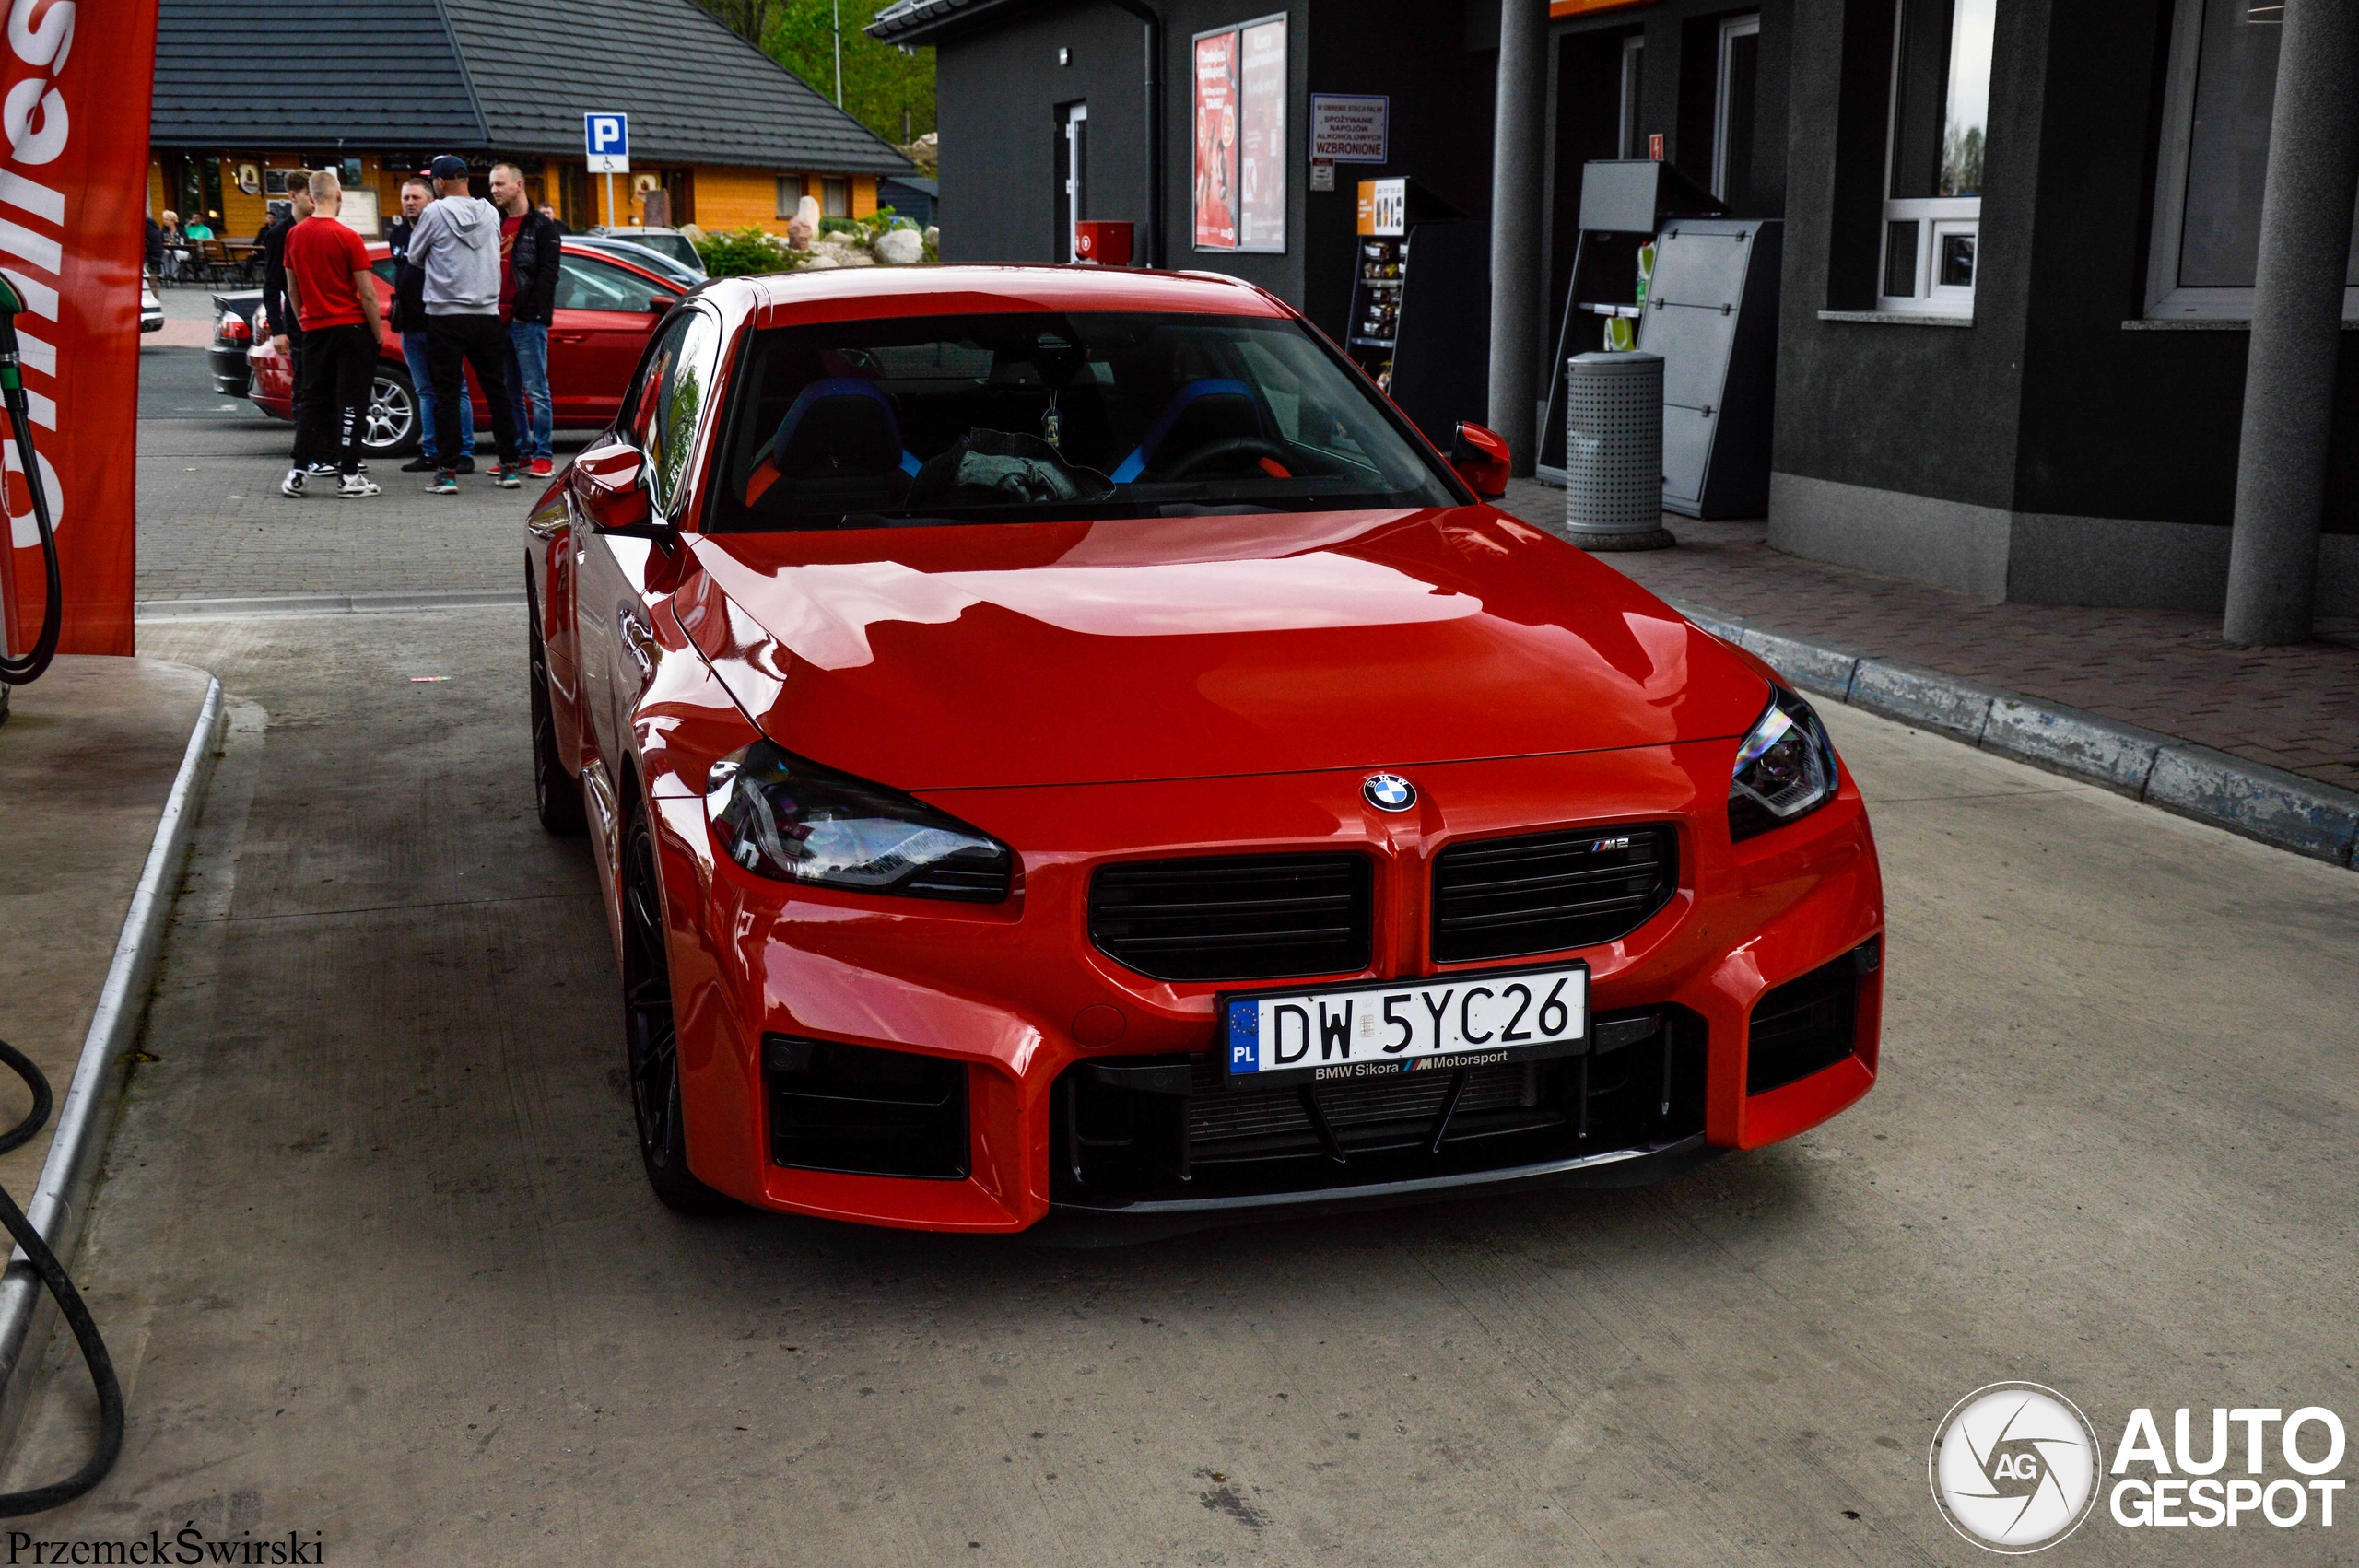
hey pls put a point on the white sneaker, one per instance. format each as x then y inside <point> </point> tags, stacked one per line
<point>293,484</point>
<point>359,485</point>
<point>321,470</point>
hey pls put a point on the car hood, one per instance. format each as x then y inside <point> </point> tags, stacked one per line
<point>1068,653</point>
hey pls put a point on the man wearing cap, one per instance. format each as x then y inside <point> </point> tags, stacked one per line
<point>455,242</point>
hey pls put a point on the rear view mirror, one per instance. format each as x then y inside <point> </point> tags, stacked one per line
<point>612,480</point>
<point>1482,459</point>
<point>661,302</point>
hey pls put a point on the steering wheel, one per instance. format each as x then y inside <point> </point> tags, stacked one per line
<point>1234,446</point>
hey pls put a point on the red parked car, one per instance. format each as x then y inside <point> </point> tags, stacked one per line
<point>605,310</point>
<point>1057,740</point>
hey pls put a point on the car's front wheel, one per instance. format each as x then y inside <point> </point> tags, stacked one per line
<point>388,422</point>
<point>651,1053</point>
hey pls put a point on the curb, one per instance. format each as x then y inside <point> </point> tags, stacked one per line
<point>85,1108</point>
<point>324,603</point>
<point>2261,802</point>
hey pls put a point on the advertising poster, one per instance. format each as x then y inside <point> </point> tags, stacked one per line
<point>74,187</point>
<point>1262,155</point>
<point>1213,190</point>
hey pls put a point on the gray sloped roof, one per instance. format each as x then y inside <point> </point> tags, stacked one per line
<point>249,71</point>
<point>511,76</point>
<point>695,92</point>
<point>927,21</point>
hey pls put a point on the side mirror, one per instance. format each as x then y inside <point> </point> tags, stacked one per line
<point>612,479</point>
<point>1482,459</point>
<point>661,302</point>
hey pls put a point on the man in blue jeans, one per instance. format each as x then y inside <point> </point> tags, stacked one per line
<point>532,252</point>
<point>409,320</point>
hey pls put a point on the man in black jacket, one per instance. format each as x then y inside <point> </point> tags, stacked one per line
<point>532,252</point>
<point>409,320</point>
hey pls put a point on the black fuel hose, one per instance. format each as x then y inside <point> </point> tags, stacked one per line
<point>16,671</point>
<point>35,1500</point>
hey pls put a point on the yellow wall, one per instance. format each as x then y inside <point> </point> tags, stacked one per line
<point>726,198</point>
<point>243,215</point>
<point>730,199</point>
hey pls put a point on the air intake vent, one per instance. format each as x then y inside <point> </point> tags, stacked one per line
<point>1503,897</point>
<point>1804,1025</point>
<point>843,1108</point>
<point>1234,917</point>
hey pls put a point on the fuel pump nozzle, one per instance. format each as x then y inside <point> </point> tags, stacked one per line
<point>21,671</point>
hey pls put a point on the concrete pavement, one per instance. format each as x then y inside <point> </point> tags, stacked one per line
<point>377,1261</point>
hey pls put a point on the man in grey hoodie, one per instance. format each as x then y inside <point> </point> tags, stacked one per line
<point>455,242</point>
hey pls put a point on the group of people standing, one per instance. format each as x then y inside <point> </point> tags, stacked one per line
<point>475,289</point>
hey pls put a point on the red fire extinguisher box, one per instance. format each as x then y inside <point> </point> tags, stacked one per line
<point>1103,241</point>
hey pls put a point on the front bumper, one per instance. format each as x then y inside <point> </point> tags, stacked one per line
<point>1018,995</point>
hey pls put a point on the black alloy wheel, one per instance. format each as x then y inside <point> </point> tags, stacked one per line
<point>557,794</point>
<point>651,1047</point>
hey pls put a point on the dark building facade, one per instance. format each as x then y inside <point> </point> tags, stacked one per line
<point>2019,247</point>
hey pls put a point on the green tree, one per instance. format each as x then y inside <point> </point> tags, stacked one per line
<point>889,92</point>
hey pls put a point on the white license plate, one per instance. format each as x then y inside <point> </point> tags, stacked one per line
<point>1381,1027</point>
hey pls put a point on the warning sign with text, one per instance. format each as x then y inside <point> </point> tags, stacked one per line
<point>1349,127</point>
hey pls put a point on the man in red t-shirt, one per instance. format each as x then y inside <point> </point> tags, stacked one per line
<point>335,298</point>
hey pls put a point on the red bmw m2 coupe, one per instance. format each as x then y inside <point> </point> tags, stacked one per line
<point>1056,741</point>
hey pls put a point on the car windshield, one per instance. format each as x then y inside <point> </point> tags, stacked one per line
<point>673,247</point>
<point>654,261</point>
<point>1030,417</point>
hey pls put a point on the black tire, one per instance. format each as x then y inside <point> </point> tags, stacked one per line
<point>557,794</point>
<point>389,423</point>
<point>651,1053</point>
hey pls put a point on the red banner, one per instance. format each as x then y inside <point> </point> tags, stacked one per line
<point>1213,199</point>
<point>73,212</point>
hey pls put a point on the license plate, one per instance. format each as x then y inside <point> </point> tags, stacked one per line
<point>1379,1029</point>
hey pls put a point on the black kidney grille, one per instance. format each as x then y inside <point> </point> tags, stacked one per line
<point>1234,917</point>
<point>1499,897</point>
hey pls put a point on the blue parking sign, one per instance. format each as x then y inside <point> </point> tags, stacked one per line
<point>605,140</point>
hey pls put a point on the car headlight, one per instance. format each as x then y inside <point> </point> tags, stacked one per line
<point>1785,769</point>
<point>778,815</point>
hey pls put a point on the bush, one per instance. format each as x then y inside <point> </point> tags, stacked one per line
<point>737,254</point>
<point>839,226</point>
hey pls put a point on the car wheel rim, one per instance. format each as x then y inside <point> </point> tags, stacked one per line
<point>392,413</point>
<point>652,1047</point>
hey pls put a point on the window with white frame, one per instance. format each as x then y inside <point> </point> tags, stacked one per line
<point>1939,120</point>
<point>2214,162</point>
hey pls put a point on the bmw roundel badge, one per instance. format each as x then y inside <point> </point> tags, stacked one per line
<point>1389,792</point>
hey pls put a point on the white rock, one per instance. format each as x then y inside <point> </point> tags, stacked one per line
<point>933,235</point>
<point>819,261</point>
<point>858,258</point>
<point>900,247</point>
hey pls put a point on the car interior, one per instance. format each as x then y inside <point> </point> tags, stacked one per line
<point>1029,415</point>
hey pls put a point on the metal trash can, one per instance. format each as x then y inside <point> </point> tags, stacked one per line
<point>1614,452</point>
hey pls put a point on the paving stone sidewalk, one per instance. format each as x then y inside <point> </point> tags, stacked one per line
<point>212,524</point>
<point>2296,708</point>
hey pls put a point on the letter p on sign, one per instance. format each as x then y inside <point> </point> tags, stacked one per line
<point>606,143</point>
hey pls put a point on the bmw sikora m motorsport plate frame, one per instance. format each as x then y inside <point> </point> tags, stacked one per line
<point>1382,1028</point>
